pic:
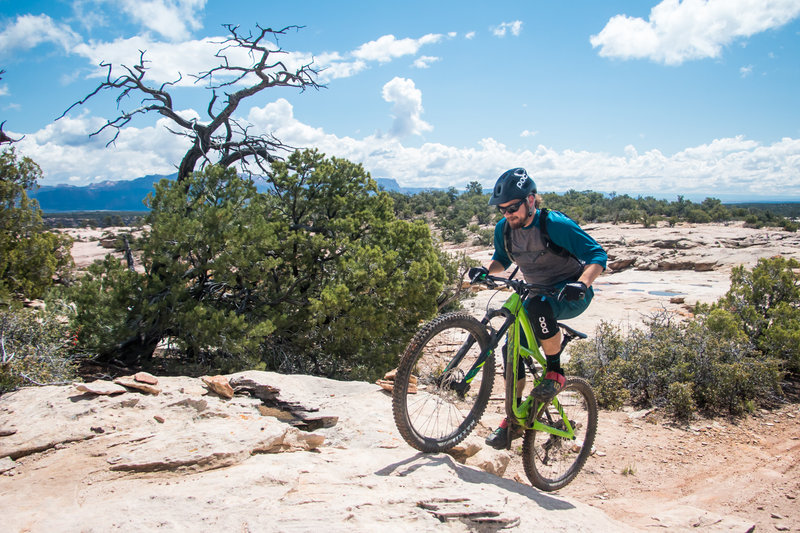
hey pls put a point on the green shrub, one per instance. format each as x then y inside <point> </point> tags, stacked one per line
<point>679,364</point>
<point>765,305</point>
<point>680,400</point>
<point>599,361</point>
<point>35,349</point>
<point>610,387</point>
<point>459,236</point>
<point>730,358</point>
<point>698,216</point>
<point>483,237</point>
<point>782,338</point>
<point>789,225</point>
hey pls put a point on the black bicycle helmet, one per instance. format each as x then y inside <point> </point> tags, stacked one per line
<point>512,185</point>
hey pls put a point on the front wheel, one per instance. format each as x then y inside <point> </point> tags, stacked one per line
<point>550,461</point>
<point>440,390</point>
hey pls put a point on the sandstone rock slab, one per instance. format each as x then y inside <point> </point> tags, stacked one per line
<point>132,383</point>
<point>219,384</point>
<point>146,377</point>
<point>101,387</point>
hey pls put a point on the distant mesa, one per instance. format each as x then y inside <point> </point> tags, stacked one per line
<point>129,195</point>
<point>123,195</point>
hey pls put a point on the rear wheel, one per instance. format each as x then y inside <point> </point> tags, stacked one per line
<point>551,462</point>
<point>433,406</point>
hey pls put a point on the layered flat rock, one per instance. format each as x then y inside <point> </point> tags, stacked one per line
<point>188,458</point>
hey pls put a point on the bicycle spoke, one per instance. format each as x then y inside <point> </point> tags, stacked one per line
<point>552,461</point>
<point>444,408</point>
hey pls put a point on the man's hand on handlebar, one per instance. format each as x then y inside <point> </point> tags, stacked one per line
<point>477,274</point>
<point>573,291</point>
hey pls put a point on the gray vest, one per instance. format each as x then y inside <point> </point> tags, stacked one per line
<point>538,262</point>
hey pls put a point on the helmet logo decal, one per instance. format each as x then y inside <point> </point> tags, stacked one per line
<point>523,176</point>
<point>513,184</point>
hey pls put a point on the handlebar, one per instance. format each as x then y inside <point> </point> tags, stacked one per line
<point>519,286</point>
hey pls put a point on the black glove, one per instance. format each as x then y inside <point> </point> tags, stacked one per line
<point>573,291</point>
<point>477,274</point>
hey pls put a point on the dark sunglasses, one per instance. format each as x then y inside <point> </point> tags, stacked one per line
<point>511,208</point>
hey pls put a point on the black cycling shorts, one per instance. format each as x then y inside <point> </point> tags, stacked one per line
<point>542,318</point>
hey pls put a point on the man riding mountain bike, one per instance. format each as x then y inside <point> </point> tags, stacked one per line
<point>550,249</point>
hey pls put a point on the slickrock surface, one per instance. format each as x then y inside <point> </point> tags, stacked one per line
<point>188,459</point>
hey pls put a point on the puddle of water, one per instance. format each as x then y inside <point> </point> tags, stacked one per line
<point>665,293</point>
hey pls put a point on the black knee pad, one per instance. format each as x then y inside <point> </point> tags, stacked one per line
<point>542,318</point>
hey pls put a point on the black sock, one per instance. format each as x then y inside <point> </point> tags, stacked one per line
<point>554,363</point>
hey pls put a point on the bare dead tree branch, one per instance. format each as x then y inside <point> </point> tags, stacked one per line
<point>4,138</point>
<point>224,139</point>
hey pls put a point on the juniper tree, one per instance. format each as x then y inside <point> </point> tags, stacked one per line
<point>30,257</point>
<point>316,276</point>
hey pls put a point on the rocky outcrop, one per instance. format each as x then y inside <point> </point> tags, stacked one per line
<point>219,385</point>
<point>616,265</point>
<point>141,381</point>
<point>188,458</point>
<point>180,428</point>
<point>699,248</point>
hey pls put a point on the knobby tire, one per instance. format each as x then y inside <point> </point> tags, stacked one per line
<point>551,462</point>
<point>437,416</point>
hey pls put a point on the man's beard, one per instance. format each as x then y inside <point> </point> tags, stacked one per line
<point>520,222</point>
<point>515,223</point>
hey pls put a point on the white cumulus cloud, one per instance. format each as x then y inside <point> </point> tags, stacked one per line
<point>502,29</point>
<point>425,61</point>
<point>66,153</point>
<point>172,19</point>
<point>407,107</point>
<point>29,31</point>
<point>693,29</point>
<point>165,61</point>
<point>389,47</point>
<point>743,166</point>
<point>737,164</point>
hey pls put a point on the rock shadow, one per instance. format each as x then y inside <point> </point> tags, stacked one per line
<point>471,475</point>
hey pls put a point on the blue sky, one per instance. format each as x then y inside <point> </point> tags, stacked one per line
<point>698,98</point>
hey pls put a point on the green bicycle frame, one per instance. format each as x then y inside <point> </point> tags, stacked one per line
<point>521,411</point>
